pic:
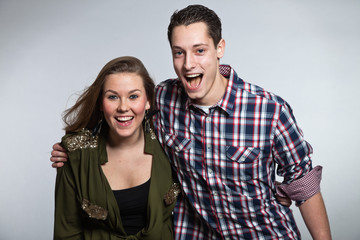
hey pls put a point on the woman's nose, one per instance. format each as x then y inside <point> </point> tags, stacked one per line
<point>123,106</point>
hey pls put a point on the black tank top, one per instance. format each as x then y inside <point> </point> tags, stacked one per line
<point>133,207</point>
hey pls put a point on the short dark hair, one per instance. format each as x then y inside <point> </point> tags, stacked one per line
<point>193,14</point>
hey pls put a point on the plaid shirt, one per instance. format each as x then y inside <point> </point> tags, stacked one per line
<point>226,160</point>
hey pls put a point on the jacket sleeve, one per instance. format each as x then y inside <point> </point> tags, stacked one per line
<point>67,222</point>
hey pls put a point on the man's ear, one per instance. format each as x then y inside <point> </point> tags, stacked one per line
<point>220,48</point>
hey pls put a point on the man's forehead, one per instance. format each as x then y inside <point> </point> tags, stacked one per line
<point>195,34</point>
<point>197,25</point>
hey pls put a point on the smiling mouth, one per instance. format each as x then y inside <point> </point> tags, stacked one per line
<point>124,119</point>
<point>193,80</point>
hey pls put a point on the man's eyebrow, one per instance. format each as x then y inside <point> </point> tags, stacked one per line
<point>200,45</point>
<point>194,46</point>
<point>176,47</point>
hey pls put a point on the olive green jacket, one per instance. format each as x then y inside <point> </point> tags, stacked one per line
<point>85,206</point>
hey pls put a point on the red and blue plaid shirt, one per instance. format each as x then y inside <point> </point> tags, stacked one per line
<point>226,160</point>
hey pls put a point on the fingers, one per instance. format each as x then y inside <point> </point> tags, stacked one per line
<point>58,147</point>
<point>57,164</point>
<point>58,159</point>
<point>58,153</point>
<point>284,201</point>
<point>58,156</point>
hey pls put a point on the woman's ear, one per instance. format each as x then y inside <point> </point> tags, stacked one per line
<point>147,107</point>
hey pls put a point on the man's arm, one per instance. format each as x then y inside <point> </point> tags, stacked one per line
<point>301,181</point>
<point>58,156</point>
<point>315,217</point>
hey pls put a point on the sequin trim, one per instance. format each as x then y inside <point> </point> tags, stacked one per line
<point>83,139</point>
<point>93,210</point>
<point>172,194</point>
<point>152,134</point>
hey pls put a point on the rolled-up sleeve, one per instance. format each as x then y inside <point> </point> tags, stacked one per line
<point>302,189</point>
<point>293,155</point>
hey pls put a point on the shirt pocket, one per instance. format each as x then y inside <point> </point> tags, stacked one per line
<point>242,163</point>
<point>177,143</point>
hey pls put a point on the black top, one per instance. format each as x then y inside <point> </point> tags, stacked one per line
<point>132,204</point>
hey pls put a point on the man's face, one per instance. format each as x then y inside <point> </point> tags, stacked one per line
<point>196,62</point>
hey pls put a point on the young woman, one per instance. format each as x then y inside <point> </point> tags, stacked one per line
<point>117,182</point>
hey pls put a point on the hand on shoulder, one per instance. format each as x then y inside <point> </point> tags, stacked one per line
<point>58,156</point>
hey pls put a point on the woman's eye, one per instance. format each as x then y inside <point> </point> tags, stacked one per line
<point>112,97</point>
<point>134,96</point>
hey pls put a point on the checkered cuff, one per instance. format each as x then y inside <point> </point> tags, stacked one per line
<point>302,189</point>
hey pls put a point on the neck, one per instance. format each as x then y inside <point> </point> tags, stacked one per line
<point>125,143</point>
<point>217,92</point>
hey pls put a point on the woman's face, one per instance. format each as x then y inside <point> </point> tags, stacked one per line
<point>124,103</point>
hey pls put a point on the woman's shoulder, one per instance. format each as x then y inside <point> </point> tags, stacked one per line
<point>83,139</point>
<point>83,149</point>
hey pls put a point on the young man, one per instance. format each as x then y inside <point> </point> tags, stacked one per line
<point>225,138</point>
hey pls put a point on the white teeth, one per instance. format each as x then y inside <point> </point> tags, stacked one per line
<point>193,75</point>
<point>124,119</point>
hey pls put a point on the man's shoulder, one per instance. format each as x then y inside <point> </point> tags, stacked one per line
<point>171,89</point>
<point>257,91</point>
<point>250,89</point>
<point>169,83</point>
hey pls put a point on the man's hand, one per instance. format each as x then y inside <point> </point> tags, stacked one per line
<point>58,156</point>
<point>284,201</point>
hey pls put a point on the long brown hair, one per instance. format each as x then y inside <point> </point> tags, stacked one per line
<point>86,111</point>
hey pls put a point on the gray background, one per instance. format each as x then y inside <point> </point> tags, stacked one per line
<point>305,51</point>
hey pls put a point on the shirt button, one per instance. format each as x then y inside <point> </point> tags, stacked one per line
<point>177,148</point>
<point>208,146</point>
<point>215,194</point>
<point>211,172</point>
<point>220,216</point>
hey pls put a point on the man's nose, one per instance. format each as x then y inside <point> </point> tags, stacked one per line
<point>189,62</point>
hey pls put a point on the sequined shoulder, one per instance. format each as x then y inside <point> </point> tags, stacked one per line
<point>81,140</point>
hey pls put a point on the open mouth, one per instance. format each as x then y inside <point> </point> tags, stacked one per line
<point>193,80</point>
<point>124,119</point>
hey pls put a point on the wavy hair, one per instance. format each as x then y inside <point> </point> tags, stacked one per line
<point>86,111</point>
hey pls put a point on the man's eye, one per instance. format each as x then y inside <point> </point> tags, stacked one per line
<point>201,51</point>
<point>178,53</point>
